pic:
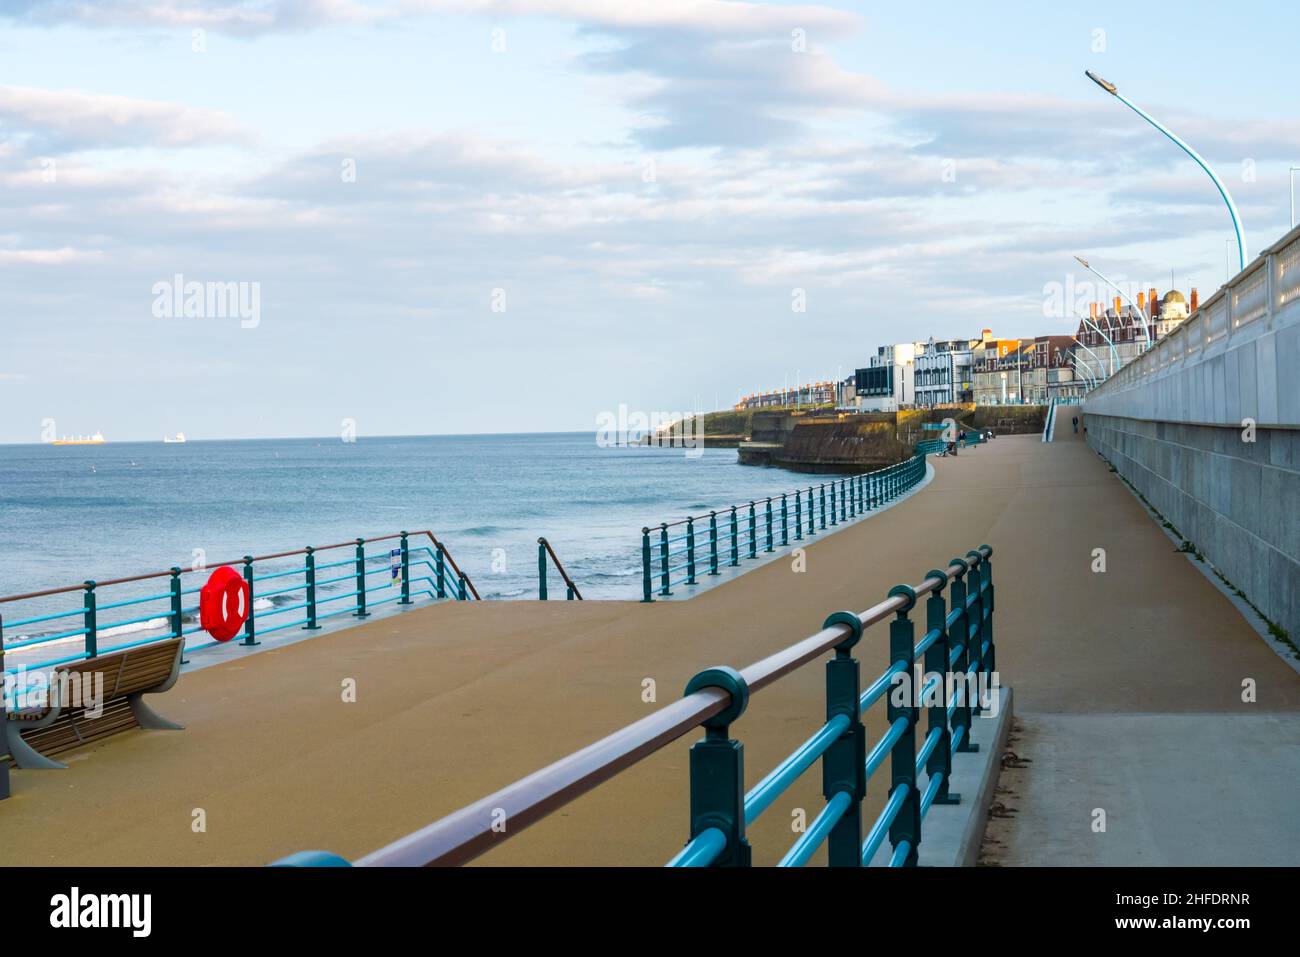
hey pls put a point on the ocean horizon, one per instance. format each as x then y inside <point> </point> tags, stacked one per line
<point>73,513</point>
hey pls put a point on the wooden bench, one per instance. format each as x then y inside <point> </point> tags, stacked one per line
<point>33,734</point>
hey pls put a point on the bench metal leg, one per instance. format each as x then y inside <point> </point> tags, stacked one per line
<point>24,755</point>
<point>148,718</point>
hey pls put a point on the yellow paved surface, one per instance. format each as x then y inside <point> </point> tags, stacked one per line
<point>459,699</point>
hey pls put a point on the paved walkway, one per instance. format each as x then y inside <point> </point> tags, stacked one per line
<point>456,700</point>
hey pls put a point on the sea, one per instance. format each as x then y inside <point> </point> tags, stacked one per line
<point>71,513</point>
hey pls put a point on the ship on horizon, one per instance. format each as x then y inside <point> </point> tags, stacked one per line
<point>96,439</point>
<point>173,439</point>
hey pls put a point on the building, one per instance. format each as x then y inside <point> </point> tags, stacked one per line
<point>989,375</point>
<point>1115,333</point>
<point>887,383</point>
<point>942,372</point>
<point>810,394</point>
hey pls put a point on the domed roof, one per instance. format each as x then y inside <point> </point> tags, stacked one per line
<point>1173,295</point>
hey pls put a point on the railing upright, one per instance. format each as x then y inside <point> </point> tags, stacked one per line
<point>406,570</point>
<point>176,617</point>
<point>936,661</point>
<point>798,516</point>
<point>713,543</point>
<point>89,620</point>
<point>834,512</point>
<point>771,546</point>
<point>974,622</point>
<point>690,551</point>
<point>735,538</point>
<point>785,521</point>
<point>821,494</point>
<point>645,565</point>
<point>959,631</point>
<point>312,624</point>
<point>812,513</point>
<point>663,559</point>
<point>361,579</point>
<point>541,571</point>
<point>717,767</point>
<point>440,571</point>
<point>844,765</point>
<point>753,531</point>
<point>905,830</point>
<point>462,591</point>
<point>250,623</point>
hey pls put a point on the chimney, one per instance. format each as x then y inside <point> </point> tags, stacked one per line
<point>1195,299</point>
<point>1117,305</point>
<point>1155,303</point>
<point>1093,310</point>
<point>1142,302</point>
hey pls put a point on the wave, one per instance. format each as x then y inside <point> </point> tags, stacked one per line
<point>518,592</point>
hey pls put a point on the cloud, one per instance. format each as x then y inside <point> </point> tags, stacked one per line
<point>69,120</point>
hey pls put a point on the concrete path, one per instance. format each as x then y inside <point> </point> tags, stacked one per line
<point>456,700</point>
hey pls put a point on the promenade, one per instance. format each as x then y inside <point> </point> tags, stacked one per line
<point>456,700</point>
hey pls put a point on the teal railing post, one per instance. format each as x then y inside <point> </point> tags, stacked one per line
<point>713,543</point>
<point>959,634</point>
<point>176,617</point>
<point>844,765</point>
<point>361,580</point>
<point>975,622</point>
<point>844,500</point>
<point>440,571</point>
<point>406,571</point>
<point>785,521</point>
<point>735,538</point>
<point>462,589</point>
<point>690,551</point>
<point>663,559</point>
<point>717,765</point>
<point>906,828</point>
<point>753,531</point>
<point>771,546</point>
<point>821,494</point>
<point>568,595</point>
<point>990,663</point>
<point>834,514</point>
<point>541,571</point>
<point>250,623</point>
<point>936,663</point>
<point>89,621</point>
<point>645,566</point>
<point>798,516</point>
<point>853,496</point>
<point>812,513</point>
<point>311,590</point>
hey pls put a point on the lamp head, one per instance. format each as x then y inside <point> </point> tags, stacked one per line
<point>1108,87</point>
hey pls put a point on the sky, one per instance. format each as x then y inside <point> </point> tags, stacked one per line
<point>298,217</point>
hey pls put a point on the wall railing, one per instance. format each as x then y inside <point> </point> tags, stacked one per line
<point>545,551</point>
<point>410,567</point>
<point>956,652</point>
<point>698,546</point>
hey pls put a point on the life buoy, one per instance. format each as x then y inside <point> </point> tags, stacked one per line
<point>223,604</point>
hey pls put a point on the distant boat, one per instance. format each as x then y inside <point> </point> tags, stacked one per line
<point>178,437</point>
<point>96,439</point>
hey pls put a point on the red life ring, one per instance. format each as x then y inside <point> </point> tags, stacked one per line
<point>223,604</point>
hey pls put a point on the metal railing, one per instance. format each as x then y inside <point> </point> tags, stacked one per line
<point>764,525</point>
<point>956,650</point>
<point>545,550</point>
<point>172,613</point>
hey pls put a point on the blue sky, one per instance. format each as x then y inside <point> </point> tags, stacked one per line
<point>642,185</point>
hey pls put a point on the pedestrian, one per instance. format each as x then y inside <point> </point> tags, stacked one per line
<point>1076,423</point>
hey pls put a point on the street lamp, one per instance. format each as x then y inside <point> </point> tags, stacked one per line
<point>1100,364</point>
<point>1114,355</point>
<point>1146,330</point>
<point>1223,190</point>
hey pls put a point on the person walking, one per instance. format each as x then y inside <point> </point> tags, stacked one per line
<point>1076,423</point>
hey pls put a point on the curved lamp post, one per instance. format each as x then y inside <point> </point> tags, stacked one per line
<point>1223,190</point>
<point>1087,371</point>
<point>1146,330</point>
<point>1114,354</point>
<point>1089,380</point>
